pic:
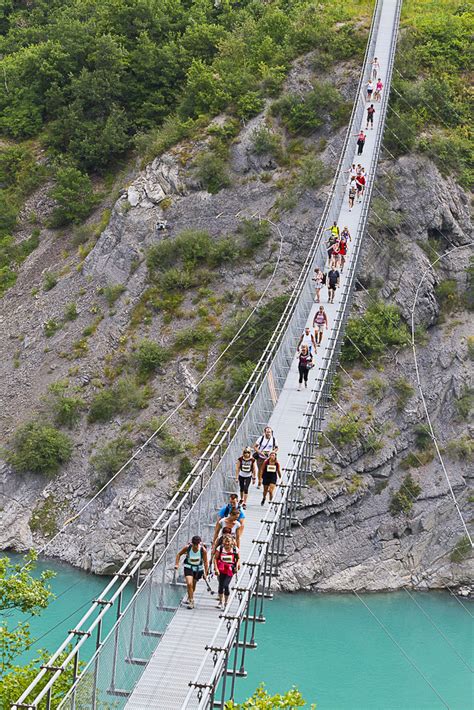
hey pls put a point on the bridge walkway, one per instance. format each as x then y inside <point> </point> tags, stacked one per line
<point>164,682</point>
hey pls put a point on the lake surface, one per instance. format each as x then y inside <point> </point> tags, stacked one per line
<point>330,646</point>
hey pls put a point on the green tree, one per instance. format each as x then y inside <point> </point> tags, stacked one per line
<point>20,591</point>
<point>261,700</point>
<point>74,196</point>
<point>23,591</point>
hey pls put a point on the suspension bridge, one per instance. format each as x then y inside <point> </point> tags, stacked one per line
<point>136,647</point>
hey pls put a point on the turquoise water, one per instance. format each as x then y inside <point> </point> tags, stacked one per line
<point>336,653</point>
<point>329,646</point>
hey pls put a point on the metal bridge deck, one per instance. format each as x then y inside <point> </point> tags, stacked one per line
<point>164,683</point>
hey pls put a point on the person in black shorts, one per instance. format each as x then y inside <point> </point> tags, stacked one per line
<point>195,566</point>
<point>245,471</point>
<point>270,473</point>
<point>370,117</point>
<point>333,283</point>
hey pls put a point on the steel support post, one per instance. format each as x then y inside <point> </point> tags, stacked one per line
<point>116,639</point>
<point>96,666</point>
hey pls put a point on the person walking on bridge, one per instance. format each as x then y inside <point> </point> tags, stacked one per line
<point>305,363</point>
<point>195,566</point>
<point>271,472</point>
<point>319,279</point>
<point>263,447</point>
<point>370,117</point>
<point>352,193</point>
<point>233,504</point>
<point>320,321</point>
<point>307,339</point>
<point>226,565</point>
<point>333,282</point>
<point>245,471</point>
<point>375,68</point>
<point>232,522</point>
<point>378,90</point>
<point>370,89</point>
<point>360,141</point>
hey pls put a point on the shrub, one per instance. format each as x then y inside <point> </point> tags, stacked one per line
<point>224,251</point>
<point>464,404</point>
<point>212,392</point>
<point>249,105</point>
<point>65,410</point>
<point>256,233</point>
<point>312,172</point>
<point>50,280</point>
<point>423,440</point>
<point>150,357</point>
<point>344,430</point>
<point>185,467</point>
<point>416,459</point>
<point>210,169</point>
<point>402,500</point>
<point>74,197</point>
<point>124,397</point>
<point>462,448</point>
<point>376,388</point>
<point>51,327</point>
<point>239,374</point>
<point>44,517</point>
<point>304,114</point>
<point>112,293</point>
<point>39,449</point>
<point>470,347</point>
<point>169,445</point>
<point>209,428</point>
<point>175,279</point>
<point>404,392</point>
<point>71,312</point>
<point>372,334</point>
<point>198,337</point>
<point>265,142</point>
<point>447,294</point>
<point>371,442</point>
<point>461,551</point>
<point>111,457</point>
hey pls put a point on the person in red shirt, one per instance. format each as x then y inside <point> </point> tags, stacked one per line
<point>360,141</point>
<point>360,185</point>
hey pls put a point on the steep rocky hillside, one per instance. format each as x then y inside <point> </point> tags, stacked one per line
<point>357,531</point>
<point>79,321</point>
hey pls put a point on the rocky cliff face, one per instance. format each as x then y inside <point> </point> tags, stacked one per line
<point>346,529</point>
<point>40,346</point>
<point>347,538</point>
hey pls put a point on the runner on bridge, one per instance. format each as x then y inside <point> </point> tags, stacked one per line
<point>320,279</point>
<point>320,320</point>
<point>226,564</point>
<point>232,522</point>
<point>195,566</point>
<point>245,471</point>
<point>263,447</point>
<point>307,338</point>
<point>271,471</point>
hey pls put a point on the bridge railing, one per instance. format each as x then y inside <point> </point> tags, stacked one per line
<point>136,624</point>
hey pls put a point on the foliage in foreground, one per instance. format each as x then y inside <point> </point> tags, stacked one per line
<point>21,591</point>
<point>261,700</point>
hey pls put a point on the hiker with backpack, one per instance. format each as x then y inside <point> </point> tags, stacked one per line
<point>232,522</point>
<point>320,279</point>
<point>271,471</point>
<point>233,504</point>
<point>245,471</point>
<point>263,448</point>
<point>195,566</point>
<point>226,565</point>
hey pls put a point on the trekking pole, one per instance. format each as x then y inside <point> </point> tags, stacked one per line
<point>209,588</point>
